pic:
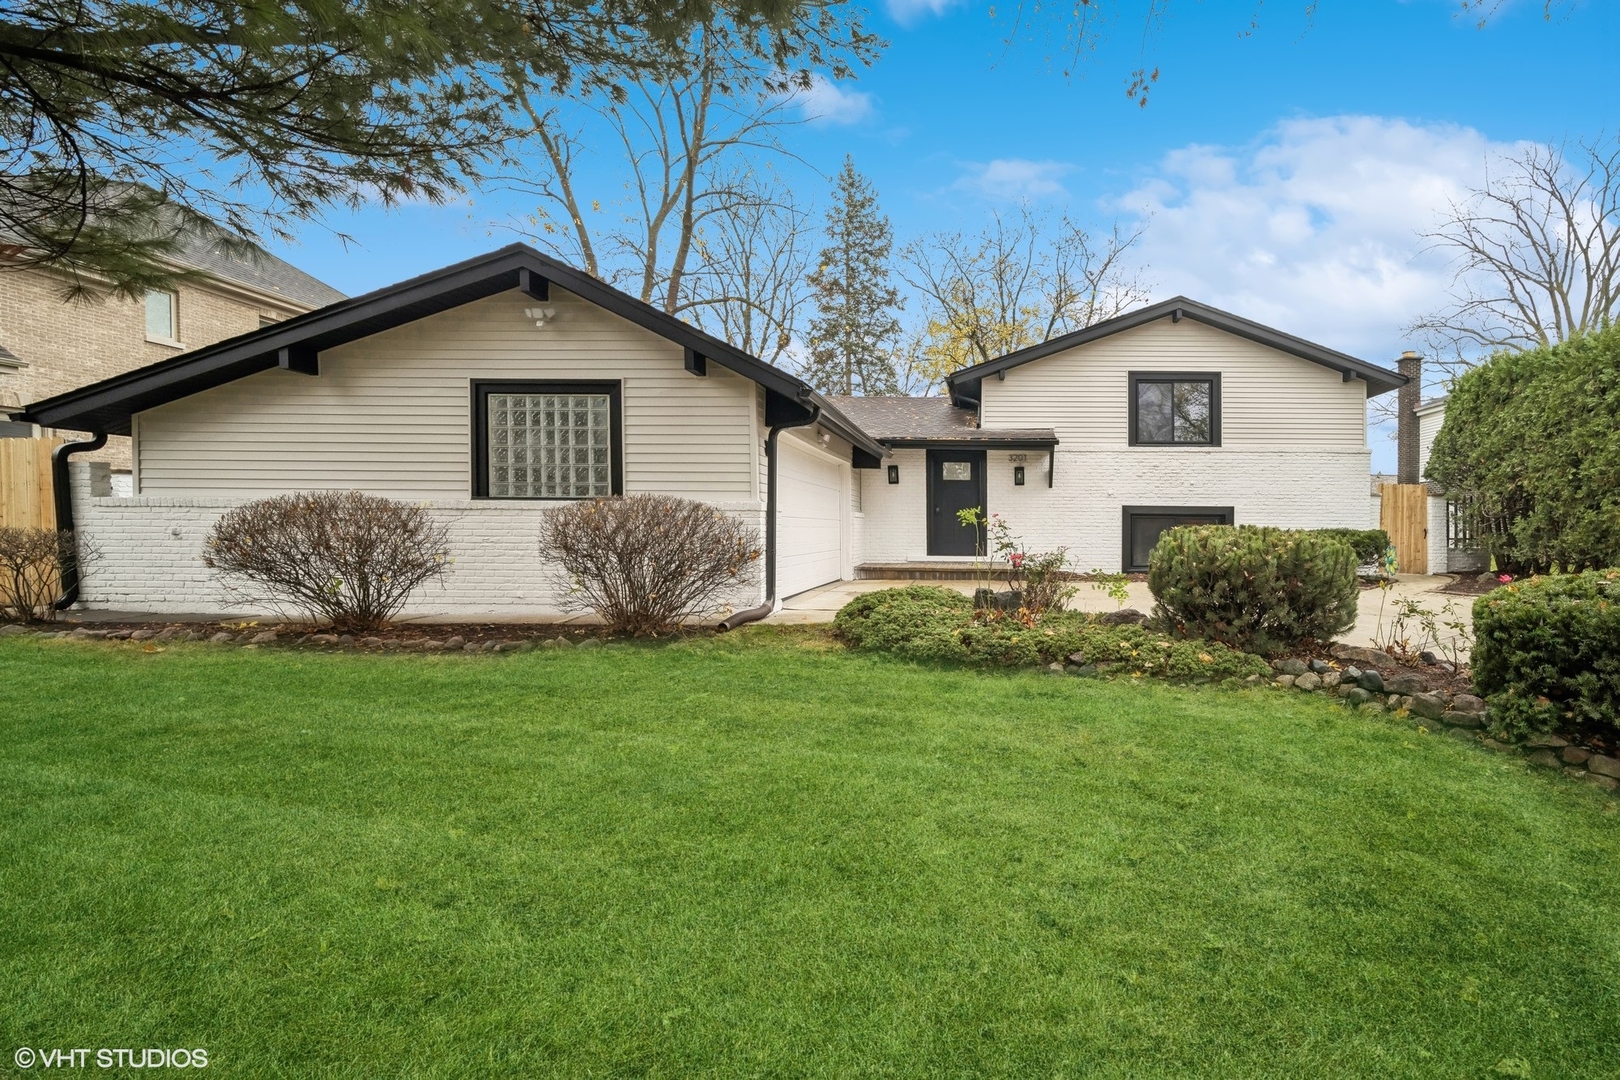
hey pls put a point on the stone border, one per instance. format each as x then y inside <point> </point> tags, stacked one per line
<point>1462,716</point>
<point>255,637</point>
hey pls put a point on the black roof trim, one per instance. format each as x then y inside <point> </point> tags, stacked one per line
<point>1011,440</point>
<point>108,405</point>
<point>963,384</point>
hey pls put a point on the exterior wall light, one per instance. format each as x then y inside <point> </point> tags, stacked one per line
<point>540,315</point>
<point>1018,476</point>
<point>894,474</point>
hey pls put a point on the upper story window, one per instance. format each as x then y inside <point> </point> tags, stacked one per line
<point>547,440</point>
<point>1175,409</point>
<point>162,315</point>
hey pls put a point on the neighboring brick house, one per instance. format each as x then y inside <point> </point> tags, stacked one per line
<point>49,345</point>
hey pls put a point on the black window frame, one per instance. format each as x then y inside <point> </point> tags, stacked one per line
<point>1211,377</point>
<point>1129,512</point>
<point>482,388</point>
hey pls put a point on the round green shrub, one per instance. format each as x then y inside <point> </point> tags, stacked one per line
<point>1368,544</point>
<point>1547,652</point>
<point>923,622</point>
<point>1254,588</point>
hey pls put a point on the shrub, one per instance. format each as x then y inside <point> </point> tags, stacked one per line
<point>1547,651</point>
<point>1531,442</point>
<point>344,557</point>
<point>1368,544</point>
<point>647,563</point>
<point>1253,588</point>
<point>32,563</point>
<point>925,622</point>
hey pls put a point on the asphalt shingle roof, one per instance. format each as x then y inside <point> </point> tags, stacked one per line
<point>260,270</point>
<point>927,418</point>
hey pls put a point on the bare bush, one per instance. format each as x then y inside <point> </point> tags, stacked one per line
<point>342,557</point>
<point>32,565</point>
<point>647,563</point>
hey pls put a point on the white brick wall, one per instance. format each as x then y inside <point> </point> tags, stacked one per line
<point>150,555</point>
<point>1083,509</point>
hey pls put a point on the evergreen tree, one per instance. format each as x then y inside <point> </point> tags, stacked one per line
<point>853,334</point>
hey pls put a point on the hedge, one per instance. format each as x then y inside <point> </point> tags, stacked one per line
<point>1252,587</point>
<point>929,623</point>
<point>1368,544</point>
<point>1531,441</point>
<point>1547,652</point>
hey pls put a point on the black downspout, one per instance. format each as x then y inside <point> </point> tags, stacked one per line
<point>754,614</point>
<point>62,489</point>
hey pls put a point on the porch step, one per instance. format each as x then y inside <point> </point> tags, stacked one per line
<point>928,571</point>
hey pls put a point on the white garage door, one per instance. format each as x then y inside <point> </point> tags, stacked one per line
<point>810,507</point>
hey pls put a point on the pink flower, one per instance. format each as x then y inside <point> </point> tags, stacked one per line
<point>1504,578</point>
<point>1017,558</point>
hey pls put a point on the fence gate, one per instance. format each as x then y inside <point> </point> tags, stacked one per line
<point>26,500</point>
<point>1403,512</point>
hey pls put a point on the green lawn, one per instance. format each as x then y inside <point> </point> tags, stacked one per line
<point>762,856</point>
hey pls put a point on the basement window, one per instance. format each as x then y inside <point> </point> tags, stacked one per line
<point>1175,409</point>
<point>547,440</point>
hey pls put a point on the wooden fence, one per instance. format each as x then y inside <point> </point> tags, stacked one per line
<point>1403,512</point>
<point>26,500</point>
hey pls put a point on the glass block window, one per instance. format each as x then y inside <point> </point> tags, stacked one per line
<point>549,443</point>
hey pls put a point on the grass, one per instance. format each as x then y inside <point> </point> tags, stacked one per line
<point>760,855</point>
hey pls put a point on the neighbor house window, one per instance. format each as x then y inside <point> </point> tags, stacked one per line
<point>1175,409</point>
<point>547,440</point>
<point>161,311</point>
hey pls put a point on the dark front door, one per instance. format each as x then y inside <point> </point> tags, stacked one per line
<point>955,483</point>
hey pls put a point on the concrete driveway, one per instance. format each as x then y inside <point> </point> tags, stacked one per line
<point>1378,611</point>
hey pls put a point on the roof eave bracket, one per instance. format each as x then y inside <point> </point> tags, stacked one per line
<point>532,285</point>
<point>299,358</point>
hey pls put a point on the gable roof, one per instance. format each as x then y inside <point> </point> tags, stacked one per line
<point>108,405</point>
<point>964,384</point>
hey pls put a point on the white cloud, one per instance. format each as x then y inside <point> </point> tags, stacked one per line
<point>1315,229</point>
<point>1015,178</point>
<point>828,103</point>
<point>907,12</point>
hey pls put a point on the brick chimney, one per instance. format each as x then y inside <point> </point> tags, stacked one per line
<point>1409,398</point>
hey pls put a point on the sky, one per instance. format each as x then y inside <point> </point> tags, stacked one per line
<point>1284,168</point>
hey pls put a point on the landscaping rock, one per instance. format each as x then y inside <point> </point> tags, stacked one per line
<point>118,635</point>
<point>1496,744</point>
<point>562,641</point>
<point>1604,765</point>
<point>345,639</point>
<point>268,637</point>
<point>1284,681</point>
<point>1607,783</point>
<point>1573,773</point>
<point>1371,681</point>
<point>323,639</point>
<point>1351,673</point>
<point>81,633</point>
<point>1331,679</point>
<point>1055,668</point>
<point>525,646</point>
<point>1575,755</point>
<point>1406,683</point>
<point>1538,742</point>
<point>1086,671</point>
<point>472,646</point>
<point>456,642</point>
<point>1355,695</point>
<point>143,634</point>
<point>1123,617</point>
<point>1428,657</point>
<point>1428,706</point>
<point>1077,658</point>
<point>591,643</point>
<point>1308,681</point>
<point>12,630</point>
<point>371,642</point>
<point>1463,734</point>
<point>1290,666</point>
<point>1468,703</point>
<point>1366,657</point>
<point>432,646</point>
<point>222,637</point>
<point>506,646</point>
<point>1320,667</point>
<point>168,633</point>
<point>1461,719</point>
<point>1544,758</point>
<point>1396,702</point>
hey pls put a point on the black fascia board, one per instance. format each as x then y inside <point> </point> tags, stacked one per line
<point>940,442</point>
<point>108,405</point>
<point>964,383</point>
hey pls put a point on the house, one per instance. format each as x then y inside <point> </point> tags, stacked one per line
<point>1453,547</point>
<point>48,345</point>
<point>439,390</point>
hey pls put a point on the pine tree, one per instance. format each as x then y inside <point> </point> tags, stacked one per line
<point>853,334</point>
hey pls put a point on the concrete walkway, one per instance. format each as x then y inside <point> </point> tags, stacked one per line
<point>1377,610</point>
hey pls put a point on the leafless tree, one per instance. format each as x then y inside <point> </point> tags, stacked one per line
<point>1013,285</point>
<point>697,135</point>
<point>1537,255</point>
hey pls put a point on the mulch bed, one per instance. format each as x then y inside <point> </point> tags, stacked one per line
<point>1471,585</point>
